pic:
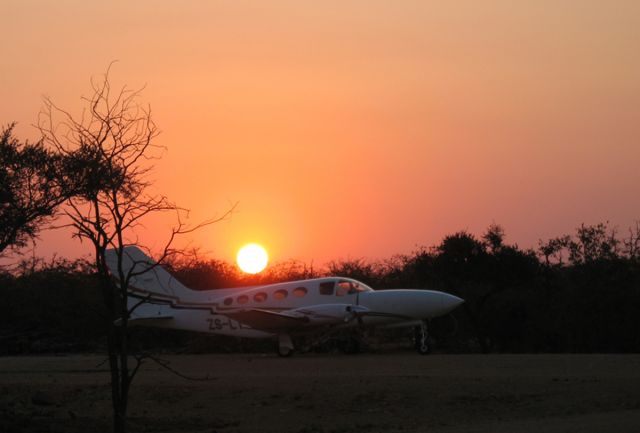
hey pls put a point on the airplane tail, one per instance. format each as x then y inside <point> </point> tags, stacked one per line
<point>147,279</point>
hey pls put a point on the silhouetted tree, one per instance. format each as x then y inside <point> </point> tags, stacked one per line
<point>199,273</point>
<point>494,237</point>
<point>282,271</point>
<point>632,243</point>
<point>515,301</point>
<point>49,306</point>
<point>358,269</point>
<point>31,188</point>
<point>552,250</point>
<point>595,242</point>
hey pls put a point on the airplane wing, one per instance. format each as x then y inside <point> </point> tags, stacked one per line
<point>266,320</point>
<point>284,321</point>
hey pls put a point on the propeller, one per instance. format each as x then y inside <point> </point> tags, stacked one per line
<point>355,312</point>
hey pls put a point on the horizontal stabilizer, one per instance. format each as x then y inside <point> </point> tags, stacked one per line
<point>159,315</point>
<point>148,320</point>
<point>145,320</point>
<point>144,313</point>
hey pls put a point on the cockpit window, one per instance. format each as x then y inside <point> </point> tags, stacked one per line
<point>326,288</point>
<point>351,287</point>
<point>344,287</point>
<point>359,287</point>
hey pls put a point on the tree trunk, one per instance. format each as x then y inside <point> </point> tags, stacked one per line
<point>117,353</point>
<point>119,380</point>
<point>120,419</point>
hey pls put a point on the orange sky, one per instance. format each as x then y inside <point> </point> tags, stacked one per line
<point>356,129</point>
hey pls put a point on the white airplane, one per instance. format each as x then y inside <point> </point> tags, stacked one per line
<point>320,306</point>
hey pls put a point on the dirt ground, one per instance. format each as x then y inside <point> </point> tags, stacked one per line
<point>311,393</point>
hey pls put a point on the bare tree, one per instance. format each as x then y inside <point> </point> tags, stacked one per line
<point>109,150</point>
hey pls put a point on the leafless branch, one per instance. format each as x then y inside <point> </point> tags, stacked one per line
<point>167,366</point>
<point>108,150</point>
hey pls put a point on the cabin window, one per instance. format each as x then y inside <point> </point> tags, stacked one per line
<point>260,297</point>
<point>243,299</point>
<point>299,292</point>
<point>327,288</point>
<point>228,301</point>
<point>280,294</point>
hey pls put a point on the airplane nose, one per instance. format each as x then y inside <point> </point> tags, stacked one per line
<point>449,302</point>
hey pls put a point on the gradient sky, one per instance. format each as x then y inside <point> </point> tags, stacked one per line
<point>356,128</point>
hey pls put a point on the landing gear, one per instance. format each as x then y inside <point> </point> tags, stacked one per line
<point>285,346</point>
<point>421,337</point>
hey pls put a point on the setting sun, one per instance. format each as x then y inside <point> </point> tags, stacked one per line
<point>252,258</point>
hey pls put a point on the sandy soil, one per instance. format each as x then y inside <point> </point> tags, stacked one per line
<point>393,392</point>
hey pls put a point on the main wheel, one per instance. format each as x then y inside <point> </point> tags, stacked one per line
<point>285,346</point>
<point>284,352</point>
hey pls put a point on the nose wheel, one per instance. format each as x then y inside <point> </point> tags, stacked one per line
<point>285,346</point>
<point>421,337</point>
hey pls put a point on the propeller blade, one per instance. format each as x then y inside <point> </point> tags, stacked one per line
<point>355,312</point>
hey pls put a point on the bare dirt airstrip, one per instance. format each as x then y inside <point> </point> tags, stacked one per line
<point>311,393</point>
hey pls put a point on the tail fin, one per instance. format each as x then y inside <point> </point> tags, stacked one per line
<point>146,277</point>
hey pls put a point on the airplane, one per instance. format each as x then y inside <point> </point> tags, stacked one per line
<point>319,306</point>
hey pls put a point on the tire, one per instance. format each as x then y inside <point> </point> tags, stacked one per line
<point>284,352</point>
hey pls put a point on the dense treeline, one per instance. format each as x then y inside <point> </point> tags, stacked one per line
<point>575,293</point>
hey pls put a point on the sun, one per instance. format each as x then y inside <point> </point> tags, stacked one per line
<point>252,258</point>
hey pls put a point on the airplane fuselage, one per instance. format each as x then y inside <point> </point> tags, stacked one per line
<point>333,301</point>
